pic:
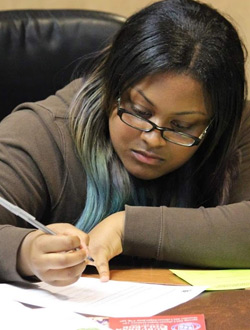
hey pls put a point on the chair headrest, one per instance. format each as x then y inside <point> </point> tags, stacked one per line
<point>40,49</point>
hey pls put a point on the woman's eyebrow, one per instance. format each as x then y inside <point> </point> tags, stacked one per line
<point>192,112</point>
<point>144,96</point>
<point>182,113</point>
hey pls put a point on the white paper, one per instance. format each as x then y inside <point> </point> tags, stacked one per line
<point>112,298</point>
<point>14,315</point>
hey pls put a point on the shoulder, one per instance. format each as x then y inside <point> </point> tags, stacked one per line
<point>55,106</point>
<point>41,128</point>
<point>36,145</point>
<point>43,123</point>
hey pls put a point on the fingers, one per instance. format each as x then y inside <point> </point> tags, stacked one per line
<point>106,242</point>
<point>61,268</point>
<point>61,260</point>
<point>55,259</point>
<point>103,270</point>
<point>102,265</point>
<point>64,276</point>
<point>70,230</point>
<point>57,243</point>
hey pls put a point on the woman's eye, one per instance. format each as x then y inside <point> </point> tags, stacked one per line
<point>181,125</point>
<point>140,112</point>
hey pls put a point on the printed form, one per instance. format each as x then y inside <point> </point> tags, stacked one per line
<point>112,298</point>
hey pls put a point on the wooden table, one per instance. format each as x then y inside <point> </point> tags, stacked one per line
<point>223,310</point>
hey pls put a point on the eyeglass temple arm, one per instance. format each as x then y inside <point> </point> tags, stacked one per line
<point>205,130</point>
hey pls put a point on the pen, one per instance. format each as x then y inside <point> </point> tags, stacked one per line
<point>28,217</point>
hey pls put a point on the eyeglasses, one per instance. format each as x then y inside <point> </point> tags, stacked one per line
<point>168,134</point>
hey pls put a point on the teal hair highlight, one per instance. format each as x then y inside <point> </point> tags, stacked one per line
<point>106,192</point>
<point>109,186</point>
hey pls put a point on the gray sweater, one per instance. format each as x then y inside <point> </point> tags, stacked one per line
<point>40,171</point>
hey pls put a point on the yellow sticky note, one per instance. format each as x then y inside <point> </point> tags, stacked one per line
<point>226,279</point>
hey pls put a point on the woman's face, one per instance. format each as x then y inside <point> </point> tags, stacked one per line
<point>168,100</point>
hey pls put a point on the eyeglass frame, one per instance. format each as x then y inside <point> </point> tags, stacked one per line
<point>196,140</point>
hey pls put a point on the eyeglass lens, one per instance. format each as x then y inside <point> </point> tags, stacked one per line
<point>143,125</point>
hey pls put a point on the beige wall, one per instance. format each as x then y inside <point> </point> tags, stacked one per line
<point>239,10</point>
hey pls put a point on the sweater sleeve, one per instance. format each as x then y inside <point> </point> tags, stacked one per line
<point>24,182</point>
<point>10,237</point>
<point>39,171</point>
<point>204,237</point>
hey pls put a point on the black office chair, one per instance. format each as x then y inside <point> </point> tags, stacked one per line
<point>40,49</point>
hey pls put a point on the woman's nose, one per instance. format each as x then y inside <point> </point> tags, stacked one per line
<point>153,138</point>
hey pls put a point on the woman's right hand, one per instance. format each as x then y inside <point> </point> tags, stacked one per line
<point>55,259</point>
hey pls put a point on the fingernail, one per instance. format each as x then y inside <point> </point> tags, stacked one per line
<point>104,278</point>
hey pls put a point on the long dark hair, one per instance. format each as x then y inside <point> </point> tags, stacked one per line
<point>175,36</point>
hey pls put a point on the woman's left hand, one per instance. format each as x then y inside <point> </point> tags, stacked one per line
<point>106,242</point>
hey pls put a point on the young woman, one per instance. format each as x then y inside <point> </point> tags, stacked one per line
<point>148,154</point>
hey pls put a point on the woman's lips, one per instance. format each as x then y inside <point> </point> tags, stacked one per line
<point>146,157</point>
